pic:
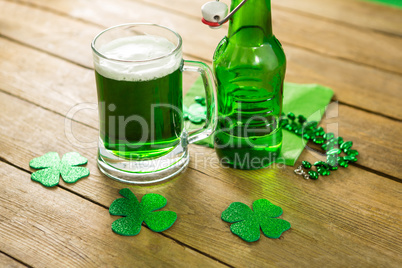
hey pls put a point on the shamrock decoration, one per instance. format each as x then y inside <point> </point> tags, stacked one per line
<point>51,168</point>
<point>247,222</point>
<point>197,112</point>
<point>135,213</point>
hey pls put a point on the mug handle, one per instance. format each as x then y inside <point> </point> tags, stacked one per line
<point>210,99</point>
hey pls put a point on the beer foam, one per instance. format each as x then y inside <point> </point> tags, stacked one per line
<point>129,58</point>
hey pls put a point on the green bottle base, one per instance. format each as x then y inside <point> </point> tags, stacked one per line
<point>248,153</point>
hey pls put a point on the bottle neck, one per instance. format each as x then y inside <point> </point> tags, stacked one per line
<point>254,15</point>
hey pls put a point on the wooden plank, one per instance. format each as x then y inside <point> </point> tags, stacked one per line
<point>325,200</point>
<point>340,41</point>
<point>355,13</point>
<point>8,262</point>
<point>326,37</point>
<point>313,33</point>
<point>54,227</point>
<point>71,85</point>
<point>48,32</point>
<point>60,34</point>
<point>359,86</point>
<point>320,34</point>
<point>349,218</point>
<point>380,90</point>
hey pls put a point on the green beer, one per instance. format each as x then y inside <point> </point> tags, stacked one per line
<point>141,113</point>
<point>138,71</point>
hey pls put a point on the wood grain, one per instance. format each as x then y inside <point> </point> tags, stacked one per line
<point>351,218</point>
<point>328,37</point>
<point>363,14</point>
<point>354,13</point>
<point>62,85</point>
<point>352,213</point>
<point>8,262</point>
<point>53,227</point>
<point>380,90</point>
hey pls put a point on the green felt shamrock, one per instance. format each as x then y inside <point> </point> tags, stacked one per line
<point>135,213</point>
<point>247,222</point>
<point>51,168</point>
<point>196,113</point>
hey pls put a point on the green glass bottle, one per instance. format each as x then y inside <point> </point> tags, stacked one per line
<point>249,65</point>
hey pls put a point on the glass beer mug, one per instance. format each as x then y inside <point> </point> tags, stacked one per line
<point>138,69</point>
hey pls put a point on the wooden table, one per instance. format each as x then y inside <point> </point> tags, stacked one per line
<point>351,218</point>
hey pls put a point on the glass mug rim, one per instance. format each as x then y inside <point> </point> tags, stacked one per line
<point>173,52</point>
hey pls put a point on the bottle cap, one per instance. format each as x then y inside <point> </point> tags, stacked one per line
<point>213,12</point>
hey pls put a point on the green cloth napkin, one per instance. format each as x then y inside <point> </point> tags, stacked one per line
<point>309,100</point>
<point>394,3</point>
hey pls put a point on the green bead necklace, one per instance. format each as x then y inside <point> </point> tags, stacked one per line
<point>332,146</point>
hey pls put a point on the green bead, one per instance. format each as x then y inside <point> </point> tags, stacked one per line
<point>311,125</point>
<point>288,127</point>
<point>326,165</point>
<point>329,136</point>
<point>350,158</point>
<point>333,166</point>
<point>332,160</point>
<point>308,136</point>
<point>328,146</point>
<point>334,151</point>
<point>318,140</point>
<point>339,140</point>
<point>306,164</point>
<point>333,140</point>
<point>346,145</point>
<point>342,162</point>
<point>294,126</point>
<point>313,174</point>
<point>323,171</point>
<point>351,152</point>
<point>291,116</point>
<point>319,163</point>
<point>200,100</point>
<point>291,127</point>
<point>298,131</point>
<point>301,119</point>
<point>283,122</point>
<point>319,131</point>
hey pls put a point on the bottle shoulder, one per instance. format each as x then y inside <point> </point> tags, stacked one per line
<point>268,52</point>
